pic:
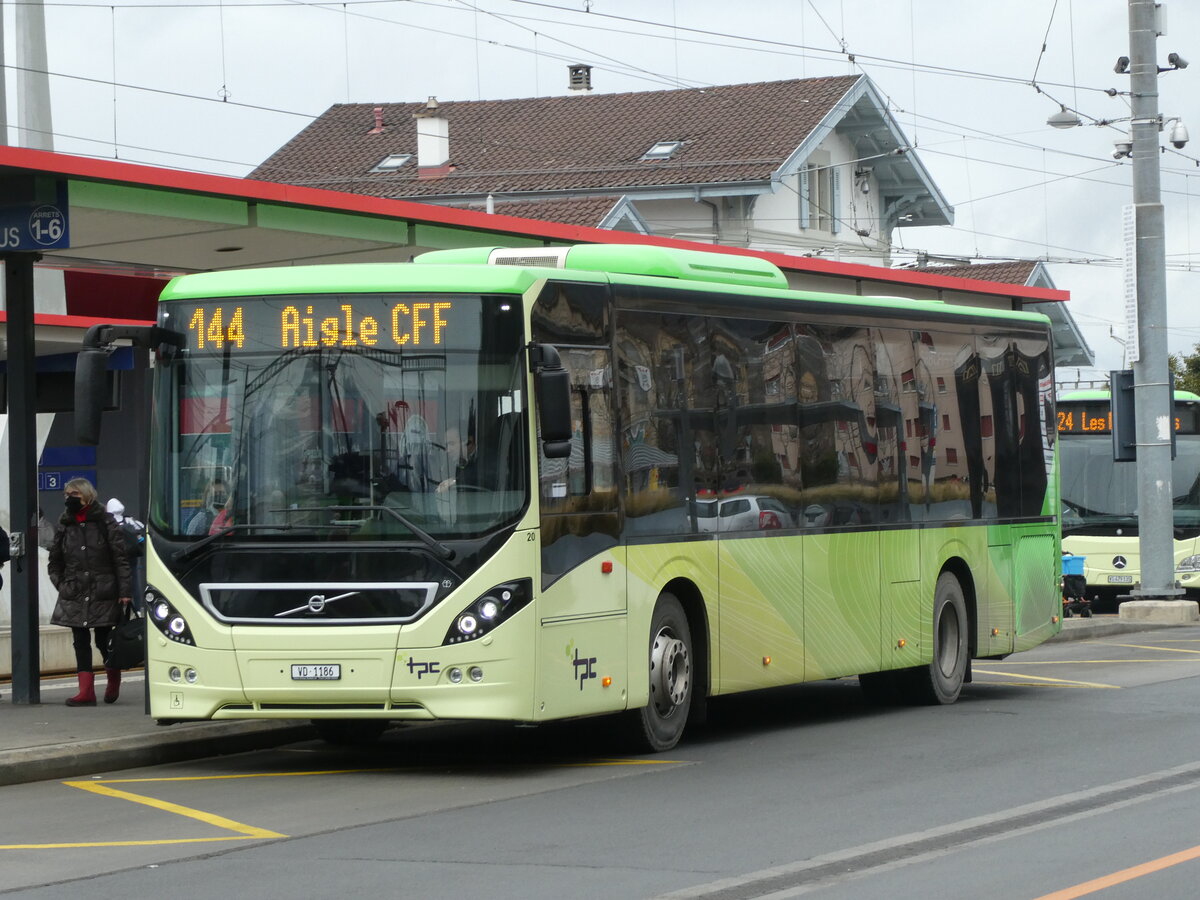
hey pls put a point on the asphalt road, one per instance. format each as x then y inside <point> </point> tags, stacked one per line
<point>1061,772</point>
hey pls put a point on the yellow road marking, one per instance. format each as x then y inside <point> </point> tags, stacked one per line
<point>97,787</point>
<point>1107,881</point>
<point>1149,647</point>
<point>1059,681</point>
<point>1087,662</point>
<point>242,832</point>
<point>1055,684</point>
<point>209,840</point>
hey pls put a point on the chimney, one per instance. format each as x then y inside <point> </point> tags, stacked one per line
<point>378,129</point>
<point>433,141</point>
<point>579,77</point>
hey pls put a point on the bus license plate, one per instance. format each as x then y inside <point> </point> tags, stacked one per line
<point>1120,579</point>
<point>328,672</point>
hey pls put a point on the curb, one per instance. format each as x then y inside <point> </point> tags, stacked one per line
<point>1090,628</point>
<point>179,744</point>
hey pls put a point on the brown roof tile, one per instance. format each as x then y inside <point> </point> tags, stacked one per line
<point>1015,272</point>
<point>731,133</point>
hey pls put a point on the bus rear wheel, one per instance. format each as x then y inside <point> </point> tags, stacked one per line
<point>941,681</point>
<point>349,732</point>
<point>658,725</point>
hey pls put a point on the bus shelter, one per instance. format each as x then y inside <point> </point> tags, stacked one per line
<point>85,241</point>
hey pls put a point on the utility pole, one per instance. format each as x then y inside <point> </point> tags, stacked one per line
<point>1156,597</point>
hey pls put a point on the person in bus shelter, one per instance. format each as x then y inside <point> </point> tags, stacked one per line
<point>90,570</point>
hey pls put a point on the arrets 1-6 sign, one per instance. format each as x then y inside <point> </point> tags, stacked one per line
<point>391,325</point>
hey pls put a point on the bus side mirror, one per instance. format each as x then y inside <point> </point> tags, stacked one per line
<point>91,365</point>
<point>91,392</point>
<point>552,384</point>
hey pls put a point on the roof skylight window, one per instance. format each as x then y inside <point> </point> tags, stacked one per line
<point>392,162</point>
<point>662,150</point>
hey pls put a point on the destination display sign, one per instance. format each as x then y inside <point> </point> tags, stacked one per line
<point>1095,417</point>
<point>387,323</point>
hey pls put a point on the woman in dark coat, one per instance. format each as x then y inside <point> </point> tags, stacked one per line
<point>89,568</point>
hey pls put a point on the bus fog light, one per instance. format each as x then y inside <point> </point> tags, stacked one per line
<point>475,674</point>
<point>177,625</point>
<point>455,675</point>
<point>467,624</point>
<point>190,676</point>
<point>174,674</point>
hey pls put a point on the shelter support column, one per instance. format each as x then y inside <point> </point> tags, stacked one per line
<point>22,474</point>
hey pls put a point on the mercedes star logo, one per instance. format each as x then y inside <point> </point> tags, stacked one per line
<point>1120,562</point>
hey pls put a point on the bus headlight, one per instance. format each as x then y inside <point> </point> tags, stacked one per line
<point>489,611</point>
<point>167,619</point>
<point>1189,564</point>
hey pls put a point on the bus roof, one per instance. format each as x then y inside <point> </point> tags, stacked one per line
<point>490,270</point>
<point>1096,394</point>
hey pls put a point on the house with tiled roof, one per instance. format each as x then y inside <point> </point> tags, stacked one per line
<point>1070,346</point>
<point>810,166</point>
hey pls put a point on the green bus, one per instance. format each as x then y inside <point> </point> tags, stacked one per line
<point>1100,497</point>
<point>527,485</point>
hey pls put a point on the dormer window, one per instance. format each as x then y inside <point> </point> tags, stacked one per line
<point>392,162</point>
<point>662,150</point>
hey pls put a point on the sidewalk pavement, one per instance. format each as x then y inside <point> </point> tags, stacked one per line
<point>52,740</point>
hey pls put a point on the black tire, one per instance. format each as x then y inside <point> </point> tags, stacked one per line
<point>658,726</point>
<point>349,732</point>
<point>941,681</point>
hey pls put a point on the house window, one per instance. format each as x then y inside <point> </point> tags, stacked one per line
<point>662,150</point>
<point>985,426</point>
<point>392,162</point>
<point>945,423</point>
<point>819,197</point>
<point>951,456</point>
<point>941,383</point>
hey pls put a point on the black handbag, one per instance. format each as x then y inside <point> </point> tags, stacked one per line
<point>127,641</point>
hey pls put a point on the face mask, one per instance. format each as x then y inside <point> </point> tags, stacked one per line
<point>73,505</point>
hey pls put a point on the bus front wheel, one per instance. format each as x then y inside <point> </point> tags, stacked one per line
<point>941,681</point>
<point>658,725</point>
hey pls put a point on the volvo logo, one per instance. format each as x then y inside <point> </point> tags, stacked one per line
<point>316,604</point>
<point>1120,562</point>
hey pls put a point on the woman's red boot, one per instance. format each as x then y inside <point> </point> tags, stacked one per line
<point>87,690</point>
<point>112,689</point>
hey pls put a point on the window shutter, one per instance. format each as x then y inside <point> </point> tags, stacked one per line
<point>835,195</point>
<point>804,197</point>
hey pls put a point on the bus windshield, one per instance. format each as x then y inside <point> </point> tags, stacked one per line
<point>1098,492</point>
<point>354,417</point>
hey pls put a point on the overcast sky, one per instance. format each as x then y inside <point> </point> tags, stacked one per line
<point>143,81</point>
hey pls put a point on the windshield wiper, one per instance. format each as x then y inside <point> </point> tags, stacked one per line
<point>193,549</point>
<point>426,538</point>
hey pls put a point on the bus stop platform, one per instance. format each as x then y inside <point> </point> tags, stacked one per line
<point>52,741</point>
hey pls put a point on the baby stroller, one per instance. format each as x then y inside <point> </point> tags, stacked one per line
<point>1074,587</point>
